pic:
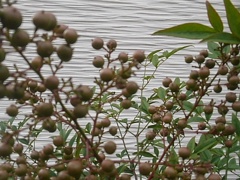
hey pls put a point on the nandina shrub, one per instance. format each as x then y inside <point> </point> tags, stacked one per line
<point>87,125</point>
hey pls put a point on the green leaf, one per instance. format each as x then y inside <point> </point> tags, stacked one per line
<point>233,17</point>
<point>124,153</point>
<point>236,124</point>
<point>173,158</point>
<point>213,49</point>
<point>161,93</point>
<point>208,116</point>
<point>223,37</point>
<point>11,120</point>
<point>24,141</point>
<point>217,151</point>
<point>155,60</point>
<point>206,156</point>
<point>117,106</point>
<point>187,105</point>
<point>215,159</point>
<point>67,133</point>
<point>150,56</point>
<point>204,145</point>
<point>3,126</point>
<point>88,127</point>
<point>196,119</point>
<point>214,17</point>
<point>156,151</point>
<point>124,168</point>
<point>72,140</point>
<point>149,77</point>
<point>144,153</point>
<point>191,144</point>
<point>174,51</point>
<point>233,164</point>
<point>188,30</point>
<point>177,81</point>
<point>234,148</point>
<point>227,49</point>
<point>199,108</point>
<point>144,105</point>
<point>222,163</point>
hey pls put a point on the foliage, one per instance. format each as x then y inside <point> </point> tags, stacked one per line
<point>89,125</point>
<point>207,33</point>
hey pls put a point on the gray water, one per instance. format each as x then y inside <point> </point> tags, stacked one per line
<point>130,23</point>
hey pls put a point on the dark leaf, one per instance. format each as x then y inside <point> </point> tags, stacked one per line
<point>72,140</point>
<point>236,123</point>
<point>144,153</point>
<point>233,17</point>
<point>223,37</point>
<point>206,156</point>
<point>191,144</point>
<point>156,151</point>
<point>214,17</point>
<point>24,141</point>
<point>188,30</point>
<point>204,145</point>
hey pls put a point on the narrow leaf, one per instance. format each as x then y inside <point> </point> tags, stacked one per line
<point>174,51</point>
<point>214,18</point>
<point>222,37</point>
<point>188,30</point>
<point>67,133</point>
<point>152,53</point>
<point>236,123</point>
<point>144,105</point>
<point>144,153</point>
<point>196,119</point>
<point>204,145</point>
<point>233,17</point>
<point>24,141</point>
<point>156,151</point>
<point>206,156</point>
<point>72,140</point>
<point>191,144</point>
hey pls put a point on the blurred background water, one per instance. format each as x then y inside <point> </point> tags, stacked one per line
<point>130,23</point>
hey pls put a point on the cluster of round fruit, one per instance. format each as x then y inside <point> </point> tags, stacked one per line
<point>11,20</point>
<point>66,167</point>
<point>180,95</point>
<point>177,171</point>
<point>118,77</point>
<point>29,92</point>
